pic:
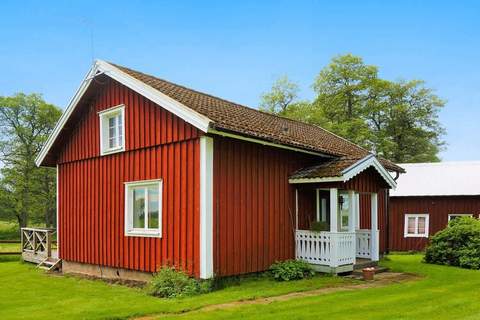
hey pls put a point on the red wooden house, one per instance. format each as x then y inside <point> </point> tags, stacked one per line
<point>428,196</point>
<point>151,173</point>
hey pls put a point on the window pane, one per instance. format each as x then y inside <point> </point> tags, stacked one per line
<point>411,225</point>
<point>111,143</point>
<point>111,122</point>
<point>139,208</point>
<point>153,207</point>
<point>421,225</point>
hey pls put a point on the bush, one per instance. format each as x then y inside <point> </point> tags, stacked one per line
<point>456,245</point>
<point>291,270</point>
<point>319,226</point>
<point>171,283</point>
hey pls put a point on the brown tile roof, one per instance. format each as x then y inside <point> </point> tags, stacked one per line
<point>331,168</point>
<point>233,117</point>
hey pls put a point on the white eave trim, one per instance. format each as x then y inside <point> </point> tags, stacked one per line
<point>352,171</point>
<point>194,118</point>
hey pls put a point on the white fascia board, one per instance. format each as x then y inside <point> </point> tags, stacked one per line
<point>194,118</point>
<point>66,114</point>
<point>316,180</point>
<point>266,143</point>
<point>365,163</point>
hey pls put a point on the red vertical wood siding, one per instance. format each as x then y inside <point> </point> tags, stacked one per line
<point>91,187</point>
<point>438,209</point>
<point>254,208</point>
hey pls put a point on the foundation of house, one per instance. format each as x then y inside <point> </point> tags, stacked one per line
<point>92,270</point>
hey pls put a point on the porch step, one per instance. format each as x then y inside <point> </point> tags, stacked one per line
<point>364,263</point>
<point>50,264</point>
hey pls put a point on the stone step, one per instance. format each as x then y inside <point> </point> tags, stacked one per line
<point>378,269</point>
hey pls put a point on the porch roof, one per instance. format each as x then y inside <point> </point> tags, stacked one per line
<point>341,169</point>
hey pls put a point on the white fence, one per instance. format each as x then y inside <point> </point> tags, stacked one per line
<point>325,248</point>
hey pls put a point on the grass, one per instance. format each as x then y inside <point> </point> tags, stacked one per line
<point>28,293</point>
<point>443,293</point>
<point>10,247</point>
<point>9,230</point>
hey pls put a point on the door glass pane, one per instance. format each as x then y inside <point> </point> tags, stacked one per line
<point>139,208</point>
<point>153,207</point>
<point>344,208</point>
<point>421,225</point>
<point>411,225</point>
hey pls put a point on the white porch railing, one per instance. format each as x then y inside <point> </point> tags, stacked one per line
<point>364,243</point>
<point>325,248</point>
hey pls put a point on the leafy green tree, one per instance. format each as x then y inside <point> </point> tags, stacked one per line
<point>397,120</point>
<point>283,93</point>
<point>29,192</point>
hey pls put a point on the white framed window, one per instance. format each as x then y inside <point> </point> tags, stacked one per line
<point>416,225</point>
<point>458,215</point>
<point>143,208</point>
<point>112,130</point>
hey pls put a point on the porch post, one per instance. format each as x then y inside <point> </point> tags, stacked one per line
<point>333,209</point>
<point>296,209</point>
<point>357,211</point>
<point>352,211</point>
<point>318,203</point>
<point>374,254</point>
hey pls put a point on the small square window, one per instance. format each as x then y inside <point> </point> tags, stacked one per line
<point>112,135</point>
<point>143,208</point>
<point>416,225</point>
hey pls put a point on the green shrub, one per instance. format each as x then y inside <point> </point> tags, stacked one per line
<point>319,226</point>
<point>291,270</point>
<point>456,245</point>
<point>172,283</point>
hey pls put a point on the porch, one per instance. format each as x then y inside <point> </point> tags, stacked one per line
<point>331,199</point>
<point>337,250</point>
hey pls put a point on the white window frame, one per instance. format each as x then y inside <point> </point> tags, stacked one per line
<point>138,232</point>
<point>104,116</point>
<point>450,215</point>
<point>416,234</point>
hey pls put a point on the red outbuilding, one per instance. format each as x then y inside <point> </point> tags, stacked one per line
<point>151,173</point>
<point>427,197</point>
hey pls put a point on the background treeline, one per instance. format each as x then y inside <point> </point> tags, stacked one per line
<point>395,119</point>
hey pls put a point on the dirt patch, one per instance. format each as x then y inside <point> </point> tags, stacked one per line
<point>381,280</point>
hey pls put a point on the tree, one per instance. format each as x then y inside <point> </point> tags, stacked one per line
<point>282,95</point>
<point>25,123</point>
<point>397,120</point>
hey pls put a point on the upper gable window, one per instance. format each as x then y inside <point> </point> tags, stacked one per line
<point>112,130</point>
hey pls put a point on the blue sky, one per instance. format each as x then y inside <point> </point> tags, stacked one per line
<point>236,50</point>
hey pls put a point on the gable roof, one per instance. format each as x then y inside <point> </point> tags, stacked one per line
<point>341,169</point>
<point>212,114</point>
<point>439,179</point>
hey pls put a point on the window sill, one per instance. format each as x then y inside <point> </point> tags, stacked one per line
<point>415,236</point>
<point>111,151</point>
<point>147,234</point>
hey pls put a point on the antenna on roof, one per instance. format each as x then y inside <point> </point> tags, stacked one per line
<point>88,23</point>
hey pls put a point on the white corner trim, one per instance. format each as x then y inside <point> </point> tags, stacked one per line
<point>206,207</point>
<point>57,208</point>
<point>363,164</point>
<point>101,67</point>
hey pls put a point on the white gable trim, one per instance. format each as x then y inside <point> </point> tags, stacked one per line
<point>194,118</point>
<point>365,163</point>
<point>352,171</point>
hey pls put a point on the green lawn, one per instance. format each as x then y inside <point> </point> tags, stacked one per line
<point>444,293</point>
<point>10,247</point>
<point>28,293</point>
